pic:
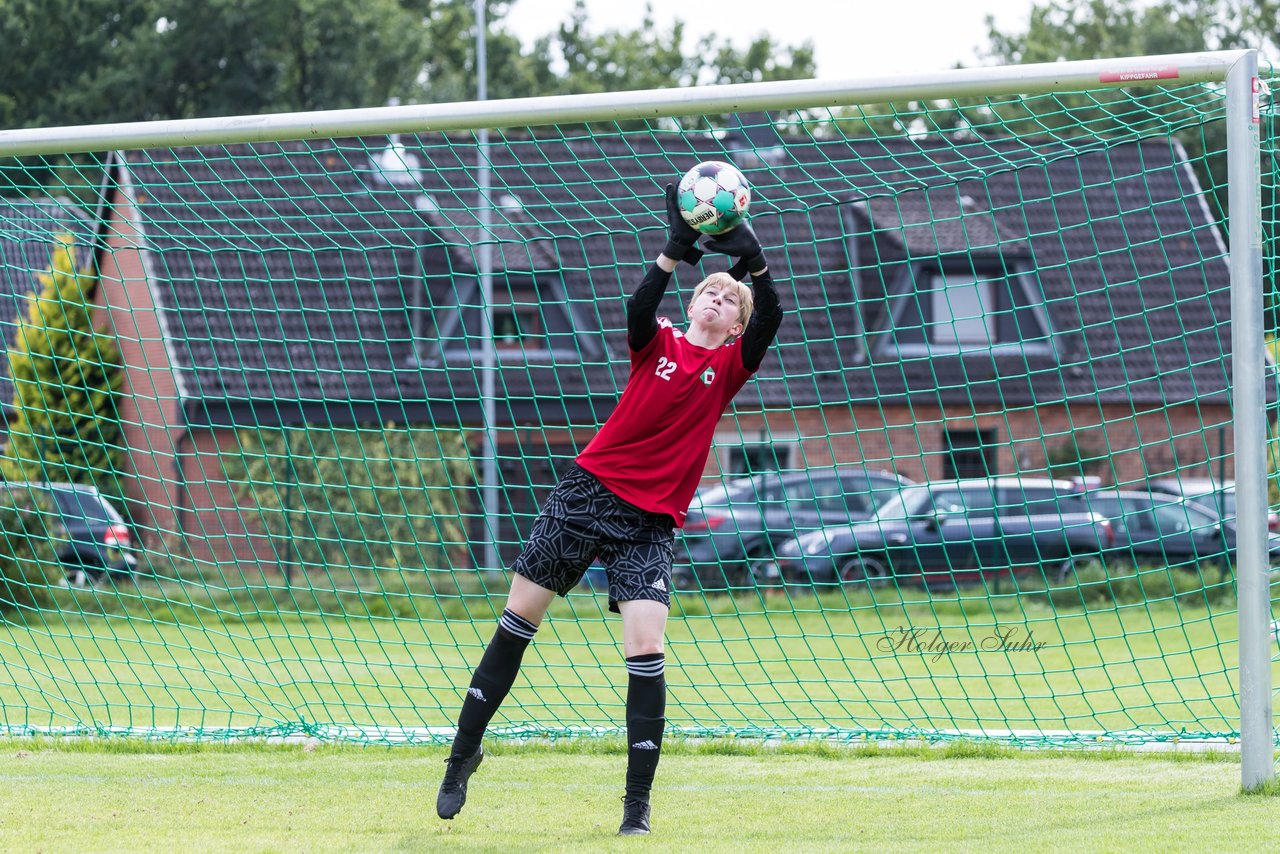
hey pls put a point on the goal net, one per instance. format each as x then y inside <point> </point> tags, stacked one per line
<point>282,409</point>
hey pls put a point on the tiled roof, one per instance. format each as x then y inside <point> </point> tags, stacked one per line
<point>938,221</point>
<point>291,268</point>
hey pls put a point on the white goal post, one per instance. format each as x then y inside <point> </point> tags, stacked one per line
<point>1238,70</point>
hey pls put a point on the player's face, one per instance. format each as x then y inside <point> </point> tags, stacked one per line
<point>717,310</point>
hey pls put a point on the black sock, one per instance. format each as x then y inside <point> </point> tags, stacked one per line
<point>646,717</point>
<point>492,680</point>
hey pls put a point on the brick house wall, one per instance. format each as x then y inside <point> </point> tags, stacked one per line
<point>219,528</point>
<point>1136,288</point>
<point>149,400</point>
<point>180,499</point>
<point>195,511</point>
<point>1189,439</point>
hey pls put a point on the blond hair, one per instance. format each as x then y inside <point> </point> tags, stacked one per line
<point>746,299</point>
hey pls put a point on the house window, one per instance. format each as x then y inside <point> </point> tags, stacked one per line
<point>506,328</point>
<point>965,306</point>
<point>964,310</point>
<point>517,320</point>
<point>517,327</point>
<point>968,453</point>
<point>758,457</point>
<point>531,320</point>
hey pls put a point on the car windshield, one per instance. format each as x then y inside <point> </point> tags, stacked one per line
<point>882,493</point>
<point>1223,503</point>
<point>86,506</point>
<point>1112,508</point>
<point>722,495</point>
<point>1177,517</point>
<point>905,504</point>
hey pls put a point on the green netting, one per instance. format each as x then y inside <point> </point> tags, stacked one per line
<point>322,465</point>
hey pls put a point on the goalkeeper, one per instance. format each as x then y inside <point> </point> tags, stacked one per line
<point>627,492</point>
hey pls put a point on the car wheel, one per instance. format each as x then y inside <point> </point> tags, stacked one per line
<point>83,576</point>
<point>737,574</point>
<point>684,578</point>
<point>1066,571</point>
<point>764,573</point>
<point>762,567</point>
<point>864,571</point>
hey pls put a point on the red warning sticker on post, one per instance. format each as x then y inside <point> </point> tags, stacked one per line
<point>1137,75</point>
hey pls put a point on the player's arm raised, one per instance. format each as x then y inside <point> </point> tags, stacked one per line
<point>642,306</point>
<point>743,244</point>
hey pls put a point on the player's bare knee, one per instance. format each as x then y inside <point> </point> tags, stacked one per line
<point>643,646</point>
<point>528,600</point>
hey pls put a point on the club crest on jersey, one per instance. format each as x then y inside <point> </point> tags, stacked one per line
<point>708,375</point>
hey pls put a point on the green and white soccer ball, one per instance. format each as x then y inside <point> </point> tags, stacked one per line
<point>714,197</point>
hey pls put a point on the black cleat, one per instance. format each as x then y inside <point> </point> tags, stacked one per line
<point>635,817</point>
<point>453,789</point>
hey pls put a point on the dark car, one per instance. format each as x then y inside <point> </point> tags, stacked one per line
<point>954,532</point>
<point>1160,528</point>
<point>95,541</point>
<point>731,527</point>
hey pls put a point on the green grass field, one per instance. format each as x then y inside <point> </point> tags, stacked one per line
<point>128,796</point>
<point>746,664</point>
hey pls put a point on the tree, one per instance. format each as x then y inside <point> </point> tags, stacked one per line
<point>372,496</point>
<point>90,61</point>
<point>449,73</point>
<point>70,62</point>
<point>67,378</point>
<point>219,57</point>
<point>1092,29</point>
<point>30,533</point>
<point>650,58</point>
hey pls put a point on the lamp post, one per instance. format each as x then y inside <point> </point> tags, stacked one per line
<point>485,268</point>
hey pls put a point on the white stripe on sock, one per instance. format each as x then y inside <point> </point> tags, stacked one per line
<point>517,625</point>
<point>646,668</point>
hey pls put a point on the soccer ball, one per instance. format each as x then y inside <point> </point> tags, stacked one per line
<point>714,197</point>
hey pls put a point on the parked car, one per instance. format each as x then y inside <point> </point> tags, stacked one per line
<point>732,526</point>
<point>95,541</point>
<point>1161,528</point>
<point>953,532</point>
<point>1219,497</point>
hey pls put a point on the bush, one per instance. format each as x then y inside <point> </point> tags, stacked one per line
<point>29,537</point>
<point>1073,458</point>
<point>1125,583</point>
<point>351,498</point>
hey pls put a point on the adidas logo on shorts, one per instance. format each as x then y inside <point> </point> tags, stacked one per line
<point>645,745</point>
<point>659,585</point>
<point>478,694</point>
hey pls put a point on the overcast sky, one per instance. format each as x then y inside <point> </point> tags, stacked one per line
<point>851,38</point>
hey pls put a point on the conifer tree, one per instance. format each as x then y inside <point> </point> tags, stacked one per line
<point>64,424</point>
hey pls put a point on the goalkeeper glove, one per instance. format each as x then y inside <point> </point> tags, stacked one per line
<point>740,242</point>
<point>682,238</point>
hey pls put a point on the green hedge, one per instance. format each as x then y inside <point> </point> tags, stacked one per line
<point>372,496</point>
<point>29,539</point>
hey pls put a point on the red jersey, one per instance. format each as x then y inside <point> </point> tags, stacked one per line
<point>652,450</point>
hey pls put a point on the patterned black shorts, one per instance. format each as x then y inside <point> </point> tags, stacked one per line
<point>582,521</point>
